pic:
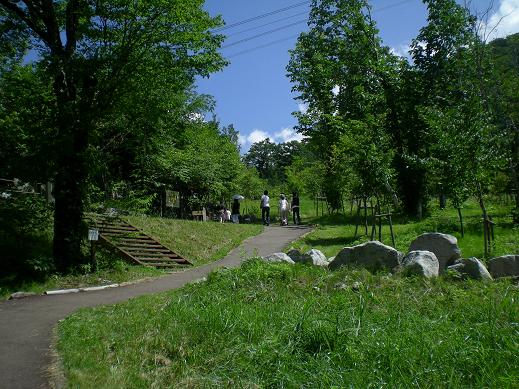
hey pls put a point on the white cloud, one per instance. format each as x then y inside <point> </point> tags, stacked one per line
<point>257,136</point>
<point>288,135</point>
<point>401,50</point>
<point>303,107</point>
<point>336,89</point>
<point>242,140</point>
<point>504,21</point>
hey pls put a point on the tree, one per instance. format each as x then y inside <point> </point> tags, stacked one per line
<point>94,53</point>
<point>339,69</point>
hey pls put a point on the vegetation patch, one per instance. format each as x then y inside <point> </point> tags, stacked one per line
<point>278,325</point>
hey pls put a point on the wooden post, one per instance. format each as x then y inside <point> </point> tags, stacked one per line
<point>357,220</point>
<point>461,222</point>
<point>391,227</point>
<point>379,223</point>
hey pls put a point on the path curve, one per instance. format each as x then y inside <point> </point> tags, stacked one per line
<point>26,325</point>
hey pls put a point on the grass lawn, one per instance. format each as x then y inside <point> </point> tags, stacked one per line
<point>282,326</point>
<point>198,242</point>
<point>337,231</point>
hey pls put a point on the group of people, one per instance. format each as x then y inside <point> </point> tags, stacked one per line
<point>284,207</point>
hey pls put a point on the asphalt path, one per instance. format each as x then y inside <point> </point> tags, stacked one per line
<point>26,325</point>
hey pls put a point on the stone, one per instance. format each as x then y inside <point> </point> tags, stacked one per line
<point>295,255</point>
<point>471,268</point>
<point>315,257</point>
<point>504,266</point>
<point>278,257</point>
<point>444,246</point>
<point>420,262</point>
<point>21,295</point>
<point>370,255</point>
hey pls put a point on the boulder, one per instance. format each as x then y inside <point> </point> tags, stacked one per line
<point>444,246</point>
<point>314,257</point>
<point>295,255</point>
<point>420,262</point>
<point>471,268</point>
<point>505,266</point>
<point>278,257</point>
<point>370,255</point>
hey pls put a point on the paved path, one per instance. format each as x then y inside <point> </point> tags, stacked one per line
<point>26,325</point>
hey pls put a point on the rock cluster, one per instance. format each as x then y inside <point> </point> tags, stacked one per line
<point>429,255</point>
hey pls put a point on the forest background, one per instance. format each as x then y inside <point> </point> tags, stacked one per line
<point>110,115</point>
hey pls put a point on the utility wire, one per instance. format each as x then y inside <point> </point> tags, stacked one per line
<point>294,36</point>
<point>267,24</point>
<point>223,28</point>
<point>262,46</point>
<point>263,34</point>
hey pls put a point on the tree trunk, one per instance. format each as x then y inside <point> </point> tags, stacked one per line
<point>71,175</point>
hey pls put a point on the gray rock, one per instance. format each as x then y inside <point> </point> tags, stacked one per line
<point>420,262</point>
<point>21,295</point>
<point>370,255</point>
<point>278,257</point>
<point>444,246</point>
<point>295,255</point>
<point>471,268</point>
<point>315,257</point>
<point>504,266</point>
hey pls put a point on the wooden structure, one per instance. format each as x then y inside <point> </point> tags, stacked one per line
<point>134,245</point>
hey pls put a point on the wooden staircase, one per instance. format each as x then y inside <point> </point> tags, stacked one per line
<point>133,244</point>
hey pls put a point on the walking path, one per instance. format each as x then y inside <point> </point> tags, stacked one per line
<point>26,325</point>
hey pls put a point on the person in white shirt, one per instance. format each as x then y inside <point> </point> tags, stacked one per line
<point>283,210</point>
<point>265,208</point>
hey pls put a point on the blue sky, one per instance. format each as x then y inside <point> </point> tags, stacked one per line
<point>253,92</point>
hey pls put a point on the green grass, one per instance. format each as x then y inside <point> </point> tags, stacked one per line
<point>199,242</point>
<point>282,326</point>
<point>337,231</point>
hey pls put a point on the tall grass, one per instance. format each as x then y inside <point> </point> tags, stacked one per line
<point>276,325</point>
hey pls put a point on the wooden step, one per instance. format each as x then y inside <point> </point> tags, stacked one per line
<point>134,245</point>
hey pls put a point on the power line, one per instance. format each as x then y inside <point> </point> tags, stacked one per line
<point>291,37</point>
<point>263,34</point>
<point>262,46</point>
<point>268,24</point>
<point>262,16</point>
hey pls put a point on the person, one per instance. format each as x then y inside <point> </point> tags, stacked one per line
<point>236,211</point>
<point>283,210</point>
<point>265,208</point>
<point>295,208</point>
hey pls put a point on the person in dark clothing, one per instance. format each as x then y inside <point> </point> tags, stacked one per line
<point>295,208</point>
<point>235,210</point>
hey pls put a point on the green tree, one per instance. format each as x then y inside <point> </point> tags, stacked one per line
<point>94,54</point>
<point>339,69</point>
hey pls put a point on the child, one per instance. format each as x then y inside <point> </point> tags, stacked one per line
<point>265,208</point>
<point>283,210</point>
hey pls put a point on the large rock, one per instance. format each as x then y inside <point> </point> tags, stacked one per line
<point>471,268</point>
<point>505,266</point>
<point>420,262</point>
<point>315,257</point>
<point>444,246</point>
<point>295,255</point>
<point>278,257</point>
<point>371,255</point>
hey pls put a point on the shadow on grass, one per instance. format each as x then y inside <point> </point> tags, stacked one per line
<point>337,241</point>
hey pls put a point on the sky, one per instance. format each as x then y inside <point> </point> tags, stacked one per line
<point>253,92</point>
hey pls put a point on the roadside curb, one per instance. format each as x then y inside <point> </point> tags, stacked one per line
<point>78,290</point>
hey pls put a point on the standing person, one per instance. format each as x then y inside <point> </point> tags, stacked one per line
<point>295,208</point>
<point>283,210</point>
<point>265,208</point>
<point>235,211</point>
